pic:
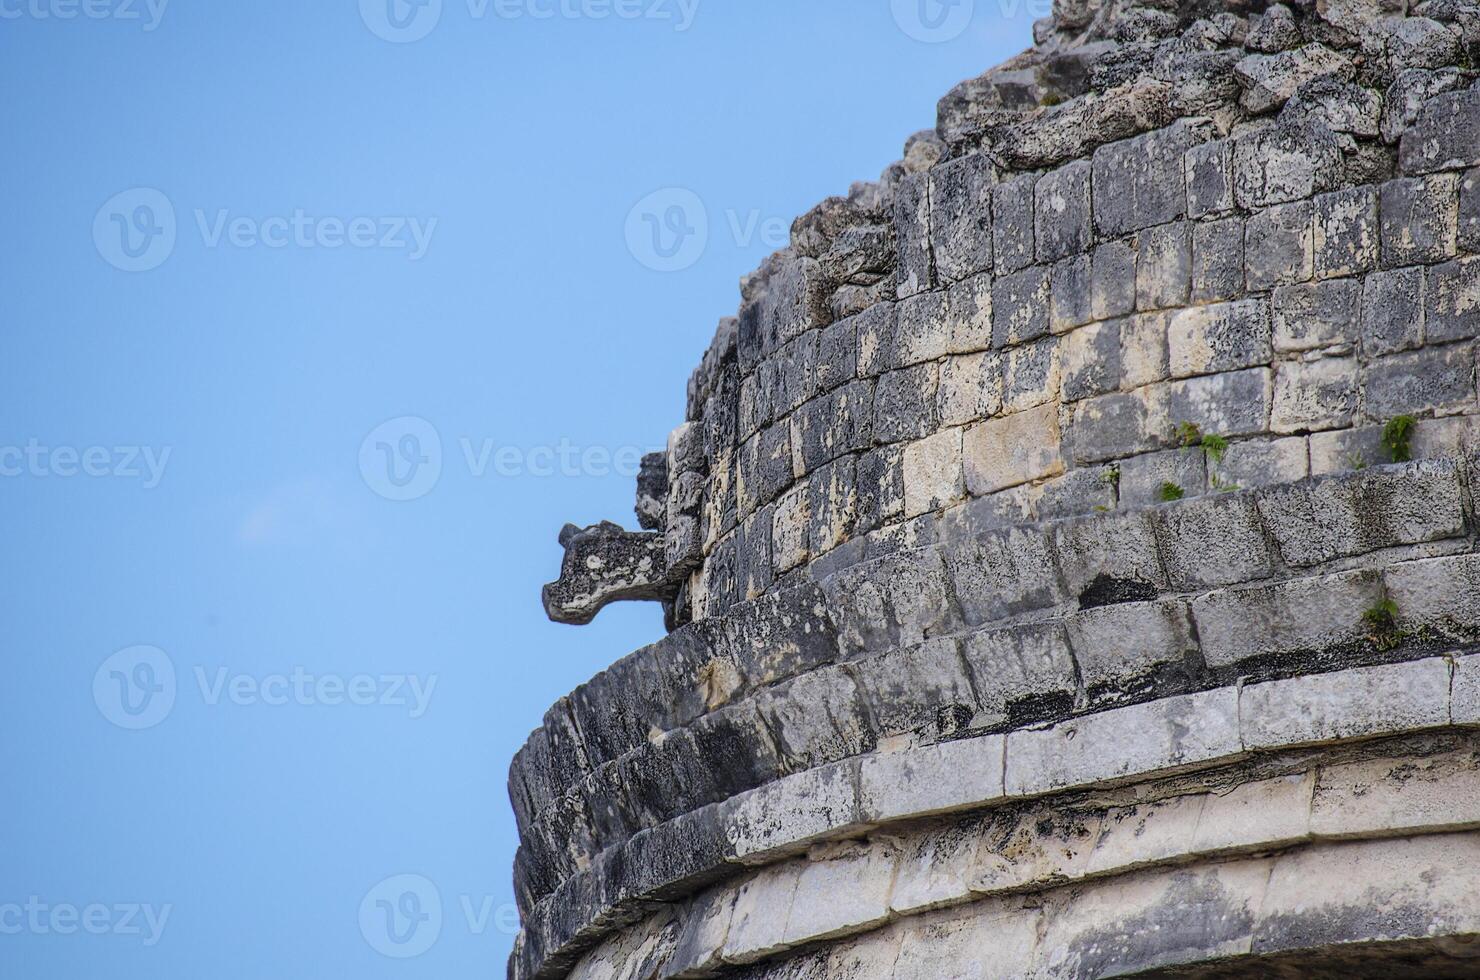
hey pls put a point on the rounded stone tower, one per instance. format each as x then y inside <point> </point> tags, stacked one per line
<point>1070,550</point>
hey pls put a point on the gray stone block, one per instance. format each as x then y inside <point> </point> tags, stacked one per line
<point>1217,260</point>
<point>923,329</point>
<point>1309,316</point>
<point>961,216</point>
<point>1144,358</point>
<point>1221,337</point>
<point>1119,647</point>
<point>905,403</point>
<point>1020,306</point>
<point>832,505</point>
<point>1233,404</point>
<point>1117,546</point>
<point>1285,162</point>
<point>1420,219</point>
<point>1346,704</point>
<point>1303,615</point>
<point>1279,246</point>
<point>1433,379</point>
<point>837,355</point>
<point>921,688</point>
<point>889,602</point>
<point>971,315</point>
<point>832,425</point>
<point>1269,80</point>
<point>1091,361</point>
<point>1071,294</point>
<point>1383,507</point>
<point>970,387</point>
<point>1140,182</point>
<point>1262,462</point>
<point>1019,665</point>
<point>933,475</point>
<point>1012,224</point>
<point>932,779</point>
<point>1469,211</point>
<point>796,374</point>
<point>880,475</point>
<point>1142,478</point>
<point>1315,394</point>
<point>1209,179</point>
<point>1112,280</point>
<point>1012,450</point>
<point>916,271</point>
<point>1452,307</point>
<point>1163,266</point>
<point>1083,490</point>
<point>1062,212</point>
<point>1031,374</point>
<point>877,329</point>
<point>1445,136</point>
<point>1346,232</point>
<point>1212,542</point>
<point>1393,311</point>
<point>1115,426</point>
<point>1441,594</point>
<point>1003,573</point>
<point>816,718</point>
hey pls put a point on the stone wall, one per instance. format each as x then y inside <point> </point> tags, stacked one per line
<point>1111,463</point>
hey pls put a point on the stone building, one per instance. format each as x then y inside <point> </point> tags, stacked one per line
<point>1069,552</point>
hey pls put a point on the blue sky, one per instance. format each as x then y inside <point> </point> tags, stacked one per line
<point>249,689</point>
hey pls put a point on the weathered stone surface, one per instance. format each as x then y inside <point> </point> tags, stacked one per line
<point>961,217</point>
<point>1143,348</point>
<point>1305,614</point>
<point>1143,479</point>
<point>1163,266</point>
<point>1377,795</point>
<point>1014,449</point>
<point>896,600</point>
<point>1232,404</point>
<point>790,813</point>
<point>1346,704</point>
<point>1452,303</point>
<point>1217,260</point>
<point>1002,573</point>
<point>1445,135</point>
<point>932,779</point>
<point>1213,542</point>
<point>1439,378</point>
<point>1393,310</point>
<point>970,388</point>
<point>1113,280</point>
<point>1062,212</point>
<point>1268,80</point>
<point>1222,337</point>
<point>1020,306</point>
<point>605,564</point>
<point>1440,594</point>
<point>1209,179</point>
<point>1017,668</point>
<point>1279,246</point>
<point>1310,316</point>
<point>1285,162</point>
<point>1120,647</point>
<point>916,271</point>
<point>1346,232</point>
<point>1263,462</point>
<point>970,315</point>
<point>1315,394</point>
<point>1091,361</point>
<point>1071,293</point>
<point>1420,219</point>
<point>905,403</point>
<point>1121,547</point>
<point>1140,182</point>
<point>842,894</point>
<point>1012,224</point>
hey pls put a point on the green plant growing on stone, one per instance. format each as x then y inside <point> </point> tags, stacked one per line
<point>1356,460</point>
<point>1189,435</point>
<point>1169,491</point>
<point>1382,625</point>
<point>1397,438</point>
<point>1111,478</point>
<point>1214,447</point>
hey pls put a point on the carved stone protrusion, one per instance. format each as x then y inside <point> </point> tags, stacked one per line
<point>604,564</point>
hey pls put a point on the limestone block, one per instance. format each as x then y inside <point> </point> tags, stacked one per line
<point>1441,593</point>
<point>1445,135</point>
<point>1145,833</point>
<point>1020,306</point>
<point>1209,179</point>
<point>817,718</point>
<point>1346,232</point>
<point>1032,846</point>
<point>1062,212</point>
<point>1315,395</point>
<point>1262,462</point>
<point>1381,796</point>
<point>1217,260</point>
<point>841,895</point>
<point>837,354</point>
<point>877,329</point>
<point>970,387</point>
<point>894,600</point>
<point>758,922</point>
<point>932,870</point>
<point>933,474</point>
<point>921,688</point>
<point>1071,293</point>
<point>1012,224</point>
<point>984,942</point>
<point>1302,615</point>
<point>905,403</point>
<point>1013,449</point>
<point>1232,404</point>
<point>1420,219</point>
<point>1002,573</point>
<point>1158,736</point>
<point>1163,266</point>
<point>789,529</point>
<point>1212,542</point>
<point>1465,693</point>
<point>1143,478</point>
<point>1032,374</point>
<point>1116,546</point>
<point>783,816</point>
<point>1432,379</point>
<point>1279,246</point>
<point>1091,361</point>
<point>1408,93</point>
<point>795,376</point>
<point>1354,703</point>
<point>1140,182</point>
<point>1030,664</point>
<point>1270,79</point>
<point>1084,490</point>
<point>912,235</point>
<point>871,955</point>
<point>1285,162</point>
<point>1113,280</point>
<point>1115,426</point>
<point>932,779</point>
<point>832,506</point>
<point>1221,337</point>
<point>923,330</point>
<point>1143,348</point>
<point>1452,306</point>
<point>1312,315</point>
<point>970,304</point>
<point>961,216</point>
<point>701,941</point>
<point>880,476</point>
<point>1469,211</point>
<point>1393,311</point>
<point>1118,646</point>
<point>1267,813</point>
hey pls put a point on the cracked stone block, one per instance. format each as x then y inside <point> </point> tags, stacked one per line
<point>1279,246</point>
<point>1083,490</point>
<point>796,375</point>
<point>1119,646</point>
<point>1452,308</point>
<point>905,403</point>
<point>1062,212</point>
<point>1002,573</point>
<point>970,313</point>
<point>1159,736</point>
<point>922,329</point>
<point>1346,232</point>
<point>878,339</point>
<point>1440,593</point>
<point>1012,224</point>
<point>1393,311</point>
<point>817,718</point>
<point>754,569</point>
<point>1144,354</point>
<point>1115,426</point>
<point>1142,477</point>
<point>933,475</point>
<point>1221,337</point>
<point>1023,664</point>
<point>893,601</point>
<point>1435,378</point>
<point>1290,617</point>
<point>961,216</point>
<point>1445,136</point>
<point>844,894</point>
<point>880,475</point>
<point>1285,162</point>
<point>832,505</point>
<point>1011,450</point>
<point>932,779</point>
<point>765,467</point>
<point>1269,80</point>
<point>706,923</point>
<point>1031,374</point>
<point>1420,219</point>
<point>912,234</point>
<point>915,689</point>
<point>1384,507</point>
<point>1233,404</point>
<point>833,425</point>
<point>1315,395</point>
<point>1020,306</point>
<point>1264,813</point>
<point>1373,796</point>
<point>1217,260</point>
<point>1213,542</point>
<point>1070,294</point>
<point>1309,316</point>
<point>1119,546</point>
<point>1113,280</point>
<point>1209,179</point>
<point>1263,462</point>
<point>1140,182</point>
<point>794,301</point>
<point>970,387</point>
<point>1163,266</point>
<point>1091,361</point>
<point>1346,704</point>
<point>758,921</point>
<point>837,355</point>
